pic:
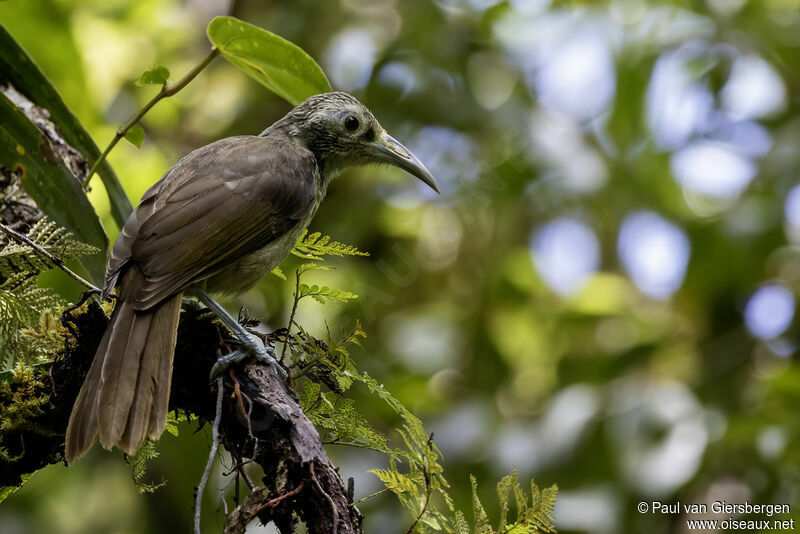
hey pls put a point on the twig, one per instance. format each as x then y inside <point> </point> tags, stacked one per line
<point>329,351</point>
<point>274,502</point>
<point>237,393</point>
<point>198,501</point>
<point>351,489</point>
<point>424,508</point>
<point>428,492</point>
<point>86,295</point>
<point>291,315</point>
<point>237,484</point>
<point>371,495</point>
<point>167,90</point>
<point>224,502</point>
<point>243,474</point>
<point>337,441</point>
<point>55,261</point>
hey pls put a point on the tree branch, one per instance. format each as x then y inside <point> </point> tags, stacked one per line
<point>276,434</point>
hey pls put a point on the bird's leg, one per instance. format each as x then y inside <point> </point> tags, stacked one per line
<point>249,343</point>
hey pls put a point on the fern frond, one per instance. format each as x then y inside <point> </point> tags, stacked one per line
<point>315,246</point>
<point>482,525</point>
<point>27,330</point>
<point>460,525</point>
<point>21,306</point>
<point>138,464</point>
<point>330,365</point>
<point>16,258</point>
<point>534,518</point>
<point>540,513</point>
<point>279,273</point>
<point>14,311</point>
<point>174,418</point>
<point>324,294</point>
<point>397,482</point>
<point>313,266</point>
<point>504,488</point>
<point>408,488</point>
<point>338,420</point>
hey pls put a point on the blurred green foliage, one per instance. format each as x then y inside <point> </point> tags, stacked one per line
<point>615,381</point>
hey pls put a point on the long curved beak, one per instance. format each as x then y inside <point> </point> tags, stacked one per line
<point>389,150</point>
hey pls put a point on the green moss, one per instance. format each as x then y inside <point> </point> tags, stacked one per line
<point>22,400</point>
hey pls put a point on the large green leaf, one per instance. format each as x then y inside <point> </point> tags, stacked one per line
<point>27,149</point>
<point>281,66</point>
<point>17,68</point>
<point>6,491</point>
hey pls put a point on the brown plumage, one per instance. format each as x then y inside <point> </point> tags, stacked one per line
<point>221,218</point>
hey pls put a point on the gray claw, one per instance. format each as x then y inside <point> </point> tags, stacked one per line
<point>250,349</point>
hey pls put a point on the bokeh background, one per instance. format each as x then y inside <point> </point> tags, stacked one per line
<point>604,295</point>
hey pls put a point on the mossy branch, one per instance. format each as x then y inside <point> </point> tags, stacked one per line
<point>278,436</point>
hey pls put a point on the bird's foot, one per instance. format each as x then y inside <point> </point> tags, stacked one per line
<point>250,348</point>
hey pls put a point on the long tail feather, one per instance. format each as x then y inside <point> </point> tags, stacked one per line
<point>147,416</point>
<point>125,396</point>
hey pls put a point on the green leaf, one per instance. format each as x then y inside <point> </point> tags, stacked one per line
<point>481,519</point>
<point>397,482</point>
<point>504,487</point>
<point>158,75</point>
<point>19,71</point>
<point>281,66</point>
<point>311,266</point>
<point>5,491</point>
<point>135,135</point>
<point>460,525</point>
<point>325,294</point>
<point>26,149</point>
<point>279,273</point>
<point>337,419</point>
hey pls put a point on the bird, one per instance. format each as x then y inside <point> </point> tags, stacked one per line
<point>221,218</point>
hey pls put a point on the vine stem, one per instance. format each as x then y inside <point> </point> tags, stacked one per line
<point>43,251</point>
<point>371,495</point>
<point>198,503</point>
<point>428,491</point>
<point>167,90</point>
<point>277,500</point>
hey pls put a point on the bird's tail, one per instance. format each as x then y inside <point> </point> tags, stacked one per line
<point>125,395</point>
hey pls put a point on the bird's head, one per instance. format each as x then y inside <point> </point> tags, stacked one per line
<point>342,132</point>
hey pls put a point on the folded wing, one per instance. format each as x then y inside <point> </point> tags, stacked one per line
<point>216,205</point>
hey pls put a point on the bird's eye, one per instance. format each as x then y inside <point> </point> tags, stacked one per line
<point>351,123</point>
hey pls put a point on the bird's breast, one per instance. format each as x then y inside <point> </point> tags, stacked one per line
<point>245,272</point>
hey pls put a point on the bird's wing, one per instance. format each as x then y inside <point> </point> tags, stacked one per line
<point>215,206</point>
